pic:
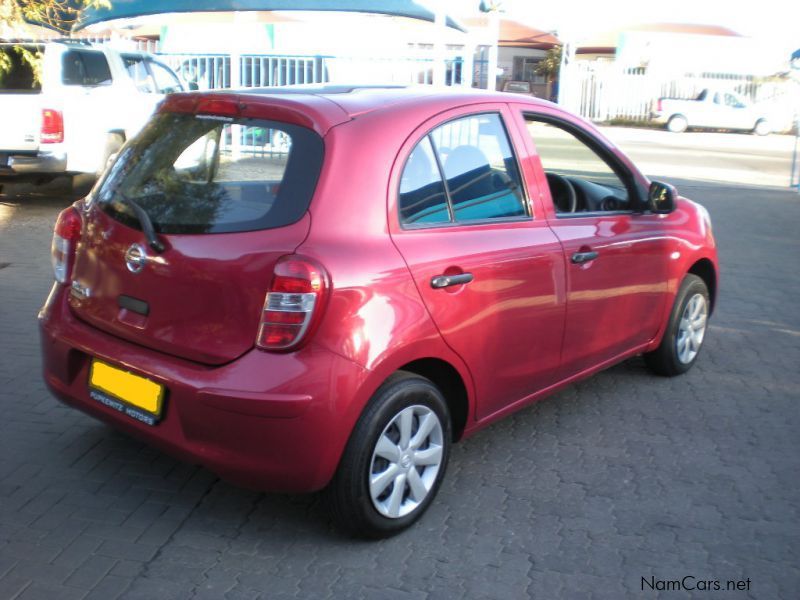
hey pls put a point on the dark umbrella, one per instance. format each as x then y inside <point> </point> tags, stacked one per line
<point>122,9</point>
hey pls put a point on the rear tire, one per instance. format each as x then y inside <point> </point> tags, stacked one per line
<point>762,127</point>
<point>686,329</point>
<point>395,459</point>
<point>114,143</point>
<point>677,124</point>
<point>82,183</point>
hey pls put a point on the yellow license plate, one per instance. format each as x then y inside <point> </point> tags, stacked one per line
<point>132,394</point>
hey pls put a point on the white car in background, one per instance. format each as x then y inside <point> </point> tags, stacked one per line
<point>86,101</point>
<point>711,110</point>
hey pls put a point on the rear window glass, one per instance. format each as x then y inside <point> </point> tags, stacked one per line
<point>196,174</point>
<point>17,72</point>
<point>85,67</point>
<point>480,169</point>
<point>422,195</point>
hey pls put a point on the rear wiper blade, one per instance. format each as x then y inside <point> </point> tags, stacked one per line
<point>146,223</point>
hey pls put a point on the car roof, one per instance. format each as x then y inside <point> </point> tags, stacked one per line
<point>330,105</point>
<point>357,100</point>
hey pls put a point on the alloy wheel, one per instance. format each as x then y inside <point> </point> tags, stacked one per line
<point>692,328</point>
<point>405,461</point>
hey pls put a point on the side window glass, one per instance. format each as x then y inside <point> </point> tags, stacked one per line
<point>733,101</point>
<point>422,196</point>
<point>483,181</point>
<point>580,180</point>
<point>85,67</point>
<point>137,71</point>
<point>166,82</point>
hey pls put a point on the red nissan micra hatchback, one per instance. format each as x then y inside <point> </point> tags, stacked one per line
<point>327,287</point>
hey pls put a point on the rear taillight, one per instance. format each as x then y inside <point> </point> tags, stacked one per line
<point>52,127</point>
<point>294,303</point>
<point>65,236</point>
<point>658,105</point>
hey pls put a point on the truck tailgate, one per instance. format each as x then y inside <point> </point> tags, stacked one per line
<point>20,122</point>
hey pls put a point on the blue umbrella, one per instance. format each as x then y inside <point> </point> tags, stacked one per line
<point>121,9</point>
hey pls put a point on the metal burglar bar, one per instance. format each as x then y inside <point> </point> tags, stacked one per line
<point>213,72</point>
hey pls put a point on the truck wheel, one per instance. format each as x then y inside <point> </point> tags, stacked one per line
<point>395,460</point>
<point>114,143</point>
<point>762,127</point>
<point>677,124</point>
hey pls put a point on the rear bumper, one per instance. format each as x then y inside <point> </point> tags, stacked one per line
<point>33,164</point>
<point>660,118</point>
<point>266,421</point>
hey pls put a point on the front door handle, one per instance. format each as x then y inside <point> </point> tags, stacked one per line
<point>443,281</point>
<point>581,257</point>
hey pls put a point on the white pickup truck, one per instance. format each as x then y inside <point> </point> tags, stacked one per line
<point>712,110</point>
<point>77,111</point>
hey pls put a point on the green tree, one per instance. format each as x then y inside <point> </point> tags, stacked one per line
<point>58,15</point>
<point>550,65</point>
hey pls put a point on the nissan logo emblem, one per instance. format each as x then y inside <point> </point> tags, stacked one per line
<point>135,258</point>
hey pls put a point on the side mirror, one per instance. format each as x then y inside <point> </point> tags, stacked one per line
<point>661,198</point>
<point>193,87</point>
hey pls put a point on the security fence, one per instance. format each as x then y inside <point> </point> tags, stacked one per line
<point>213,71</point>
<point>604,91</point>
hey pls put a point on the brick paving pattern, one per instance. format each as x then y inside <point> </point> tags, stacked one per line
<point>620,477</point>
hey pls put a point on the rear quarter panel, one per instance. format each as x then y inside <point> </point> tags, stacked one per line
<point>375,316</point>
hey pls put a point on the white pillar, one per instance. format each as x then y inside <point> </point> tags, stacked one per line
<point>439,37</point>
<point>494,34</point>
<point>468,64</point>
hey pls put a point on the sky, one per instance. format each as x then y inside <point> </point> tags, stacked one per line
<point>774,21</point>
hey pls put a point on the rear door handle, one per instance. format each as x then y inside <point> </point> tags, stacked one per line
<point>443,281</point>
<point>581,257</point>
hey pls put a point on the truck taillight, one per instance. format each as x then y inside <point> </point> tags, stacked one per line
<point>294,304</point>
<point>52,127</point>
<point>66,234</point>
<point>658,105</point>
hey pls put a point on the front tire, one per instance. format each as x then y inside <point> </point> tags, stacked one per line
<point>395,459</point>
<point>685,332</point>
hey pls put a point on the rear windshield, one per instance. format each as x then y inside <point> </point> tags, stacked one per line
<point>199,174</point>
<point>85,68</point>
<point>17,73</point>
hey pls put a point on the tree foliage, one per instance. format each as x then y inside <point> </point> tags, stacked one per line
<point>58,15</point>
<point>17,15</point>
<point>550,65</point>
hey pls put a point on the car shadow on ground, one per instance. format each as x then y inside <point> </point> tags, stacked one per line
<point>252,521</point>
<point>60,189</point>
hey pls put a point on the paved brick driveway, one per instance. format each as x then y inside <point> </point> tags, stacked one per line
<point>621,477</point>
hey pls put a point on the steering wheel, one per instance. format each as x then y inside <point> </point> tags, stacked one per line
<point>610,203</point>
<point>562,204</point>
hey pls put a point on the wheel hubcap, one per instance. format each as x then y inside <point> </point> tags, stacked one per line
<point>692,328</point>
<point>405,461</point>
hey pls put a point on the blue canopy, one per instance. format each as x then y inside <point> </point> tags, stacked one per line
<point>122,9</point>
